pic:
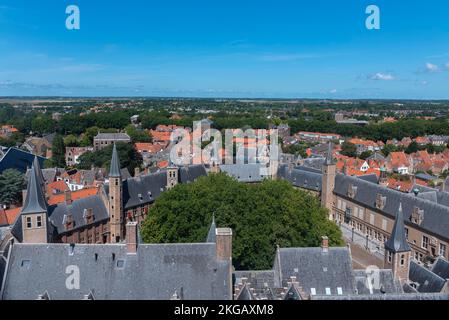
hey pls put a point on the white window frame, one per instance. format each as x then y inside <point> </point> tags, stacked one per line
<point>425,244</point>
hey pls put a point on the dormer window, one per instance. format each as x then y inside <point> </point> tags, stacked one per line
<point>417,216</point>
<point>352,191</point>
<point>380,201</point>
<point>140,197</point>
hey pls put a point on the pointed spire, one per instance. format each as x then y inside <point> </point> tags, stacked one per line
<point>398,240</point>
<point>38,170</point>
<point>211,236</point>
<point>35,198</point>
<point>114,171</point>
<point>329,156</point>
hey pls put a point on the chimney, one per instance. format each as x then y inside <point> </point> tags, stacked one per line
<point>136,171</point>
<point>68,197</point>
<point>325,244</point>
<point>224,244</point>
<point>131,237</point>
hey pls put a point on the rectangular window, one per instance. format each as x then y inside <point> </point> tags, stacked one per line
<point>39,221</point>
<point>339,204</point>
<point>328,291</point>
<point>371,219</point>
<point>361,214</point>
<point>442,250</point>
<point>29,223</point>
<point>384,224</point>
<point>425,242</point>
<point>406,233</point>
<point>402,262</point>
<point>313,291</point>
<point>339,291</point>
<point>390,257</point>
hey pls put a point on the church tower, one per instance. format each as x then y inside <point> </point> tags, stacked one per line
<point>116,216</point>
<point>397,249</point>
<point>172,177</point>
<point>328,181</point>
<point>383,179</point>
<point>34,213</point>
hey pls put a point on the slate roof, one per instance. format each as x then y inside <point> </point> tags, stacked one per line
<point>248,173</point>
<point>76,209</point>
<point>427,281</point>
<point>19,160</point>
<point>394,297</point>
<point>114,171</point>
<point>436,216</point>
<point>156,272</point>
<point>211,235</point>
<point>35,197</point>
<point>146,189</point>
<point>386,284</point>
<point>376,156</point>
<point>112,136</point>
<point>397,242</point>
<point>315,268</point>
<point>316,162</point>
<point>302,178</point>
<point>370,178</point>
<point>441,268</point>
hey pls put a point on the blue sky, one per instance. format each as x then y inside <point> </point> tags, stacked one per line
<point>217,48</point>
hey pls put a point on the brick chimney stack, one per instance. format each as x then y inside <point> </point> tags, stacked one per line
<point>68,197</point>
<point>325,244</point>
<point>224,244</point>
<point>131,237</point>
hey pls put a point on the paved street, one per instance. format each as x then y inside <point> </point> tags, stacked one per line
<point>361,257</point>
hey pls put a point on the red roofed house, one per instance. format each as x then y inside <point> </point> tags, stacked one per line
<point>7,130</point>
<point>399,162</point>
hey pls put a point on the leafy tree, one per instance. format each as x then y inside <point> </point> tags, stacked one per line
<point>389,148</point>
<point>262,216</point>
<point>412,148</point>
<point>349,149</point>
<point>12,182</point>
<point>137,135</point>
<point>58,153</point>
<point>71,141</point>
<point>129,158</point>
<point>43,124</point>
<point>366,154</point>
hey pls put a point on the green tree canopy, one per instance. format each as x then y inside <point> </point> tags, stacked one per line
<point>261,216</point>
<point>12,182</point>
<point>349,149</point>
<point>129,158</point>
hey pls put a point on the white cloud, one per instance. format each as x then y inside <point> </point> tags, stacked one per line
<point>446,65</point>
<point>333,91</point>
<point>432,67</point>
<point>382,76</point>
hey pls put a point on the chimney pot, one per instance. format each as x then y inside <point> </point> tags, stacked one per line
<point>325,243</point>
<point>131,237</point>
<point>68,197</point>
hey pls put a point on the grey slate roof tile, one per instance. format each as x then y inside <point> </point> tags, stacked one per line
<point>108,272</point>
<point>436,216</point>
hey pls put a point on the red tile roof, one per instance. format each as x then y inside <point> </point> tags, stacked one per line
<point>76,195</point>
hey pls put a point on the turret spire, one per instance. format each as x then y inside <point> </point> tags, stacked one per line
<point>114,171</point>
<point>398,240</point>
<point>35,198</point>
